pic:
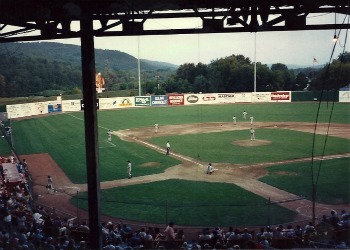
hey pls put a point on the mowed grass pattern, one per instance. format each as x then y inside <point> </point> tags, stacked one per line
<point>284,145</point>
<point>330,176</point>
<point>62,136</point>
<point>190,203</point>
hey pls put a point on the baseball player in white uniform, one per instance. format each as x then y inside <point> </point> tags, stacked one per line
<point>129,169</point>
<point>210,169</point>
<point>251,119</point>
<point>156,127</point>
<point>109,135</point>
<point>252,134</point>
<point>245,115</point>
<point>234,120</point>
<point>168,148</point>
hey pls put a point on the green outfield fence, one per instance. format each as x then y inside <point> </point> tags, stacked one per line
<point>306,96</point>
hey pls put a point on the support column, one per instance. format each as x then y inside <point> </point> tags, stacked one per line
<point>91,135</point>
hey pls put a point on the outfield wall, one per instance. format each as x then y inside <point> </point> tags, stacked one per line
<point>59,105</point>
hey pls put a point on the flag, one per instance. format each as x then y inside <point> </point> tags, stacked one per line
<point>315,60</point>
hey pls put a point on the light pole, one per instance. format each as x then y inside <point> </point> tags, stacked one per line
<point>255,62</point>
<point>138,63</point>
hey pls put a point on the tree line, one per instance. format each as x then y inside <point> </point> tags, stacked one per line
<point>27,73</point>
<point>235,73</point>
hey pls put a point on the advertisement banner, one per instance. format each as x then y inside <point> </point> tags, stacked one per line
<point>344,96</point>
<point>159,100</point>
<point>176,99</point>
<point>142,101</point>
<point>54,107</point>
<point>281,96</point>
<point>107,103</point>
<point>192,99</point>
<point>226,98</point>
<point>261,96</point>
<point>125,102</point>
<point>208,98</point>
<point>18,110</point>
<point>71,105</point>
<point>82,104</point>
<point>38,108</point>
<point>243,97</point>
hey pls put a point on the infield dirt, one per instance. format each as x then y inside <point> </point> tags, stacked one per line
<point>244,176</point>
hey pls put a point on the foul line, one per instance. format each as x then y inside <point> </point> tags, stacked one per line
<point>143,142</point>
<point>158,148</point>
<point>97,126</point>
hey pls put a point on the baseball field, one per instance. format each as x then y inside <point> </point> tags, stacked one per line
<point>265,181</point>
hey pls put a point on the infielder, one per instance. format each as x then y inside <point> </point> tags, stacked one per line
<point>252,134</point>
<point>109,135</point>
<point>251,119</point>
<point>210,169</point>
<point>156,127</point>
<point>129,169</point>
<point>168,148</point>
<point>234,120</point>
<point>245,115</point>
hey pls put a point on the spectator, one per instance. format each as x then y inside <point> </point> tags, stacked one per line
<point>235,236</point>
<point>277,234</point>
<point>83,227</point>
<point>268,233</point>
<point>260,233</point>
<point>180,235</point>
<point>334,219</point>
<point>169,232</point>
<point>246,235</point>
<point>158,235</point>
<point>264,242</point>
<point>229,232</point>
<point>289,232</point>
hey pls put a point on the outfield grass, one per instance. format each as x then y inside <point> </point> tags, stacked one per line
<point>285,145</point>
<point>189,203</point>
<point>331,177</point>
<point>62,136</point>
<point>264,112</point>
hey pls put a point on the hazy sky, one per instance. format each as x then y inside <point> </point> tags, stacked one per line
<point>288,47</point>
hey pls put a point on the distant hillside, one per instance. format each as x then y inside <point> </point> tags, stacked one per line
<point>29,68</point>
<point>59,52</point>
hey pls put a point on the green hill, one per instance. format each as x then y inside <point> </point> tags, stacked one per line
<point>30,68</point>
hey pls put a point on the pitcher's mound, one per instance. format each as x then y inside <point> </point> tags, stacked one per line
<point>249,143</point>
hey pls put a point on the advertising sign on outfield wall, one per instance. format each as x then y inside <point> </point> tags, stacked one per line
<point>26,109</point>
<point>125,102</point>
<point>191,99</point>
<point>142,101</point>
<point>243,97</point>
<point>107,103</point>
<point>159,100</point>
<point>344,96</point>
<point>226,98</point>
<point>71,105</point>
<point>281,96</point>
<point>261,96</point>
<point>82,104</point>
<point>176,99</point>
<point>208,98</point>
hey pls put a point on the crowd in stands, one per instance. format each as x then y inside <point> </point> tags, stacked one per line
<point>23,226</point>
